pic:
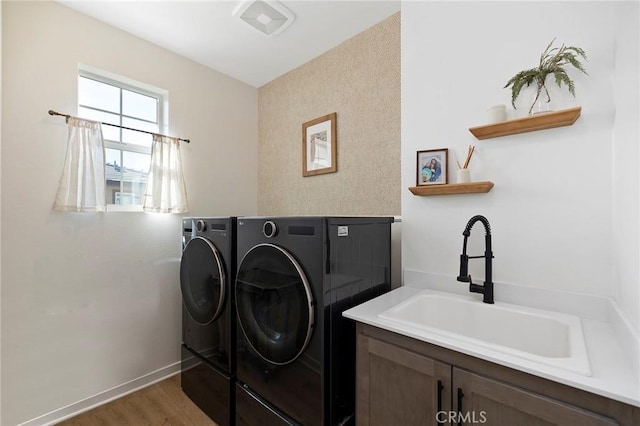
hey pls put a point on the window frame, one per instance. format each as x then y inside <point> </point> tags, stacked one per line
<point>135,87</point>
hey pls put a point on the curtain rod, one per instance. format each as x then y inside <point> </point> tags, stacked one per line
<point>67,116</point>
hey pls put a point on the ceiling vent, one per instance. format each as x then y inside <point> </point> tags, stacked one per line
<point>267,16</point>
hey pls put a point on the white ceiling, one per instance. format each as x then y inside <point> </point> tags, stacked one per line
<point>206,31</point>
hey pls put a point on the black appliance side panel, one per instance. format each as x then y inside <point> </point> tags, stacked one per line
<point>231,264</point>
<point>360,270</point>
<point>208,388</point>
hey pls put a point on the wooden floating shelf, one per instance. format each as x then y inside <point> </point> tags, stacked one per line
<point>547,120</point>
<point>452,188</point>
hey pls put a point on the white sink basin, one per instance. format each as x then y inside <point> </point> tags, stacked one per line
<point>544,337</point>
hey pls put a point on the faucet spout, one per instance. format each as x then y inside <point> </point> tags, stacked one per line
<point>464,269</point>
<point>473,221</point>
<point>487,288</point>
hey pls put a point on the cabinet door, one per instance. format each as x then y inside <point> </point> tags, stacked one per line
<point>399,387</point>
<point>479,400</point>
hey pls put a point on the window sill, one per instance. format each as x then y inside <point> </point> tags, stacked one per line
<point>136,208</point>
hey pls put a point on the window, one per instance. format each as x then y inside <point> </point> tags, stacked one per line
<point>127,152</point>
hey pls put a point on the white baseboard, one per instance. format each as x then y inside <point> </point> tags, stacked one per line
<point>101,398</point>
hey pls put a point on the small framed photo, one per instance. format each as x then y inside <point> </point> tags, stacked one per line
<point>432,167</point>
<point>319,154</point>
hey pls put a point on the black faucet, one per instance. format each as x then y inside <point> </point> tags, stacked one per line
<point>487,288</point>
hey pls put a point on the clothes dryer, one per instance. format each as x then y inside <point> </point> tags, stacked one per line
<point>207,277</point>
<point>296,275</point>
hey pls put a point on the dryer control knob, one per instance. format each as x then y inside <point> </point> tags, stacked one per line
<point>201,226</point>
<point>269,229</point>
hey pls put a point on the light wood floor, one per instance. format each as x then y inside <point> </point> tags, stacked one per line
<point>163,403</point>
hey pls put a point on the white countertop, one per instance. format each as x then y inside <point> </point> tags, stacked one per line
<point>612,366</point>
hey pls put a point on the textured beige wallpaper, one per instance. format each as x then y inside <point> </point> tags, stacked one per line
<point>360,81</point>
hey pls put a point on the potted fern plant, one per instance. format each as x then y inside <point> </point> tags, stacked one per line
<point>552,62</point>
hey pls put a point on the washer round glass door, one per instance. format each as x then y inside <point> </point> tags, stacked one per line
<point>274,304</point>
<point>202,280</point>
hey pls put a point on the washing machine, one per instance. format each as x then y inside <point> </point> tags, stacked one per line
<point>207,279</point>
<point>296,275</point>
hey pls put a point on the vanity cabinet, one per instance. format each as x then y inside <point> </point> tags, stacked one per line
<point>484,400</point>
<point>397,386</point>
<point>404,381</point>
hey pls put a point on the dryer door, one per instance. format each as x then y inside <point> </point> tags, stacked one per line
<point>202,280</point>
<point>274,304</point>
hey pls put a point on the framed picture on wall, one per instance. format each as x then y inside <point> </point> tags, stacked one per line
<point>432,167</point>
<point>319,154</point>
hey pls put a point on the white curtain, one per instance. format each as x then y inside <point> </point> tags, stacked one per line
<point>165,191</point>
<point>82,185</point>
